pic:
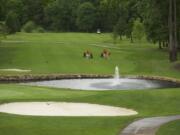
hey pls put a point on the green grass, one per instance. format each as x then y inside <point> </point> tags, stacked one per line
<point>147,103</point>
<point>60,125</point>
<point>171,128</point>
<point>62,53</point>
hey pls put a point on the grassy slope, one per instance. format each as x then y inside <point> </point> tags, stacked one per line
<point>47,53</point>
<point>171,128</point>
<point>62,53</point>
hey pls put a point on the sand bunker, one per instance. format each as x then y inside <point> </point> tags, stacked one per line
<point>63,109</point>
<point>15,70</point>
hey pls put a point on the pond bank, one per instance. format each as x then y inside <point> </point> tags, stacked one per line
<point>28,78</point>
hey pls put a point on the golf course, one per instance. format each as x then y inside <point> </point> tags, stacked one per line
<point>62,53</point>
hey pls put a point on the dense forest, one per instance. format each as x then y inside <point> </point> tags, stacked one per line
<point>123,17</point>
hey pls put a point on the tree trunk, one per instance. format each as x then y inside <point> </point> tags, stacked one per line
<point>167,44</point>
<point>172,31</point>
<point>160,47</point>
<point>164,44</point>
<point>175,27</point>
<point>120,37</point>
<point>132,41</point>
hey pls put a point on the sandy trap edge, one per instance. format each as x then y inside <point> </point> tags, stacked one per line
<point>14,70</point>
<point>63,109</point>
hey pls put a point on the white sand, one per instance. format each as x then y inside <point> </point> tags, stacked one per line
<point>15,70</point>
<point>63,109</point>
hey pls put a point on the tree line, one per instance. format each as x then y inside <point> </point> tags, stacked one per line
<point>158,20</point>
<point>60,15</point>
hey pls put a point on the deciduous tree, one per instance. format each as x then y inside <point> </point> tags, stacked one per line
<point>86,17</point>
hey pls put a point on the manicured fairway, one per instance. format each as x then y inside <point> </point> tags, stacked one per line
<point>62,53</point>
<point>52,53</point>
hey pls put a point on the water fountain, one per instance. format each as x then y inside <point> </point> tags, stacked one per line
<point>116,73</point>
<point>115,83</point>
<point>116,79</point>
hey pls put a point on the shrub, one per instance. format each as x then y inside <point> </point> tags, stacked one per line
<point>29,27</point>
<point>39,29</point>
<point>138,30</point>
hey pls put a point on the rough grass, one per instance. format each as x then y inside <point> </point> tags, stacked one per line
<point>171,128</point>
